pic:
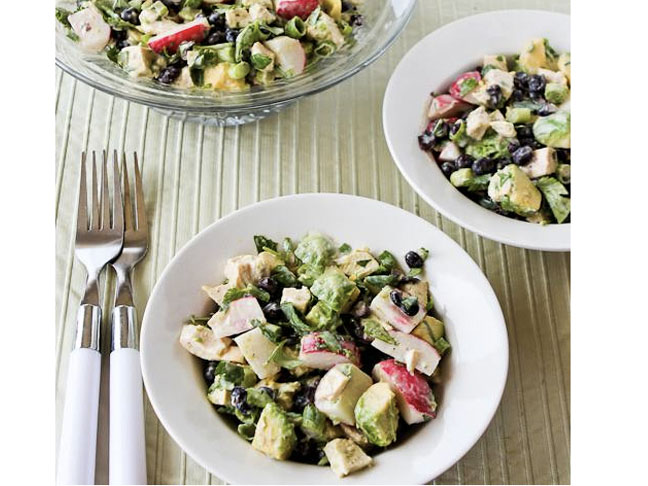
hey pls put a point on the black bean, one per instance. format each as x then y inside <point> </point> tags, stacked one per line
<point>270,285</point>
<point>209,372</point>
<point>464,161</point>
<point>530,142</point>
<point>448,168</point>
<point>273,313</point>
<point>537,83</point>
<point>513,145</point>
<point>503,162</point>
<point>410,306</point>
<point>130,15</point>
<point>231,34</point>
<point>523,155</point>
<point>413,259</point>
<point>305,396</point>
<point>485,165</point>
<point>122,44</point>
<point>524,131</point>
<point>346,6</point>
<point>239,399</point>
<point>426,141</point>
<point>521,80</point>
<point>495,95</point>
<point>171,5</point>
<point>118,35</point>
<point>536,95</point>
<point>547,109</point>
<point>356,20</point>
<point>396,297</point>
<point>564,156</point>
<point>216,37</point>
<point>169,74</point>
<point>216,20</point>
<point>517,95</point>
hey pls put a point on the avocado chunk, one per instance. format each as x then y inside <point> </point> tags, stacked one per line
<point>376,414</point>
<point>518,115</point>
<point>275,434</point>
<point>461,177</point>
<point>513,191</point>
<point>315,250</point>
<point>339,390</point>
<point>345,457</point>
<point>321,316</point>
<point>316,426</point>
<point>554,130</point>
<point>556,93</point>
<point>358,264</point>
<point>335,289</point>
<point>533,56</point>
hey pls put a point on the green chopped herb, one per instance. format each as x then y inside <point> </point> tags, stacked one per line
<point>375,329</point>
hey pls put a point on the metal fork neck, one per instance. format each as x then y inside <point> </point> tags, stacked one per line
<point>124,287</point>
<point>91,295</point>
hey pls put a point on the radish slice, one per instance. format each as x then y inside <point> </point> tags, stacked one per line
<point>171,39</point>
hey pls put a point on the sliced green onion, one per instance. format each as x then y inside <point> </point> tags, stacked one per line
<point>295,28</point>
<point>260,62</point>
<point>325,49</point>
<point>239,71</point>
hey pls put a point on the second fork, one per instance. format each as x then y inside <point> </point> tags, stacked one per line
<point>127,461</point>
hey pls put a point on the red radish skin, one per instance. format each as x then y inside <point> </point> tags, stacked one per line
<point>455,89</point>
<point>314,354</point>
<point>444,106</point>
<point>170,40</point>
<point>414,395</point>
<point>288,9</point>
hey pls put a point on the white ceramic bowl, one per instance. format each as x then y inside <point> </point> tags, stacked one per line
<point>475,373</point>
<point>431,65</point>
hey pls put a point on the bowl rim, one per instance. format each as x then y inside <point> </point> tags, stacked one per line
<point>289,97</point>
<point>489,294</point>
<point>559,241</point>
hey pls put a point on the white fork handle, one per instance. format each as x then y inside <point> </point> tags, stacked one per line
<point>76,462</point>
<point>127,445</point>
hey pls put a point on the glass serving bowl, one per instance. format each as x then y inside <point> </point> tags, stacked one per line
<point>384,21</point>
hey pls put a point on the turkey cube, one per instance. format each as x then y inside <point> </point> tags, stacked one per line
<point>89,25</point>
<point>477,123</point>
<point>299,298</point>
<point>237,318</point>
<point>498,62</point>
<point>544,162</point>
<point>426,357</point>
<point>201,341</point>
<point>256,349</point>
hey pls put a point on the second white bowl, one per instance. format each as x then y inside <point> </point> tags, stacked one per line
<point>431,65</point>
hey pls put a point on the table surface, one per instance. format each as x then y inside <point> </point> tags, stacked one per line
<point>331,142</point>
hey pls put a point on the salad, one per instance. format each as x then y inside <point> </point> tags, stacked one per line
<point>320,354</point>
<point>501,134</point>
<point>222,45</point>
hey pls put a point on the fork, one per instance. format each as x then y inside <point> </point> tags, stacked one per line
<point>127,452</point>
<point>98,241</point>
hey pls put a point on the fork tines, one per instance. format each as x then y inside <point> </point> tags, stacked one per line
<point>100,213</point>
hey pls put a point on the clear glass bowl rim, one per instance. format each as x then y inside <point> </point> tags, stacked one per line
<point>267,98</point>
